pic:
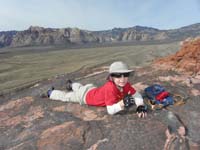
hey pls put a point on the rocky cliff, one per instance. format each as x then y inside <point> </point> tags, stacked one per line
<point>186,59</point>
<point>6,38</point>
<point>39,36</point>
<point>49,36</point>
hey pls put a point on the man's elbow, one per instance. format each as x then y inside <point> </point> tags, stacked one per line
<point>115,108</point>
<point>110,112</point>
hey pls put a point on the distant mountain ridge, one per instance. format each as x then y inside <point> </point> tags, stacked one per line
<point>39,36</point>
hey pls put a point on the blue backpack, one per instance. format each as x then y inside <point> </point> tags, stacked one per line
<point>154,90</point>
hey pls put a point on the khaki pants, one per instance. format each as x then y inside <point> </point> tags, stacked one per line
<point>77,95</point>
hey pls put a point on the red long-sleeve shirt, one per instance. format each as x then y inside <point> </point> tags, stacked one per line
<point>108,94</point>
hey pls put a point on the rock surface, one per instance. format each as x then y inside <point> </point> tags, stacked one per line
<point>31,122</point>
<point>28,121</point>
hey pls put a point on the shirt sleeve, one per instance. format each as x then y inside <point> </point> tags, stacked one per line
<point>138,99</point>
<point>111,96</point>
<point>113,109</point>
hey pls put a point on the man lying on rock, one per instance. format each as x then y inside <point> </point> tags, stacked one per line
<point>116,94</point>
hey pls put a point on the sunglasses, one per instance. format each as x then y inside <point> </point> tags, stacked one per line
<point>119,75</point>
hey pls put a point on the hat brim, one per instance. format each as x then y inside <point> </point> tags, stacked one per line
<point>122,71</point>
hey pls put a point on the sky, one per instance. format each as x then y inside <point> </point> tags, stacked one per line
<point>96,15</point>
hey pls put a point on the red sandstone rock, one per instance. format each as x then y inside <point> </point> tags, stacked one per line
<point>9,110</point>
<point>186,59</point>
<point>60,136</point>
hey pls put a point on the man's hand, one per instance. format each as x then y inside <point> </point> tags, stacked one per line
<point>141,111</point>
<point>128,101</point>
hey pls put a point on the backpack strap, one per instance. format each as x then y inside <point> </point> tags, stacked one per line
<point>179,100</point>
<point>152,105</point>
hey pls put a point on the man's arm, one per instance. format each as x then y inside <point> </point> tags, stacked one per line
<point>138,99</point>
<point>115,108</point>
